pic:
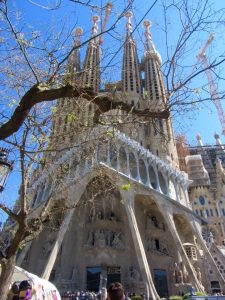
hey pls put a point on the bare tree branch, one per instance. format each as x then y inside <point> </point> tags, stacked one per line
<point>41,93</point>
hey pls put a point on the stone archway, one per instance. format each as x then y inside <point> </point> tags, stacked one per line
<point>123,160</point>
<point>133,165</point>
<point>158,243</point>
<point>98,238</point>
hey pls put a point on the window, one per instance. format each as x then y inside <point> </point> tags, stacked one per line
<point>157,244</point>
<point>202,200</point>
<point>191,252</point>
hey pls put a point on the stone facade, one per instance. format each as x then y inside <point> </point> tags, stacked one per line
<point>205,167</point>
<point>119,204</point>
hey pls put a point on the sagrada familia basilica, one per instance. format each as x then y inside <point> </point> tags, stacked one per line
<point>124,206</point>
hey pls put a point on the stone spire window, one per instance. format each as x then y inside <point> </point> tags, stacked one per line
<point>91,69</point>
<point>131,82</point>
<point>151,64</point>
<point>190,250</point>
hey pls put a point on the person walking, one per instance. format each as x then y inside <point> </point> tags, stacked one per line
<point>115,291</point>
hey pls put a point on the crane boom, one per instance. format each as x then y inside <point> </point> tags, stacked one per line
<point>107,13</point>
<point>213,90</point>
<point>201,54</point>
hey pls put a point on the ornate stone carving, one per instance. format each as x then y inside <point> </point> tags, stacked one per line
<point>90,240</point>
<point>177,274</point>
<point>198,274</point>
<point>133,274</point>
<point>152,221</point>
<point>156,246</point>
<point>117,242</point>
<point>100,215</point>
<point>102,238</point>
<point>185,274</point>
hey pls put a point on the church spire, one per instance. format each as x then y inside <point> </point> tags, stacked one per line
<point>218,141</point>
<point>131,82</point>
<point>199,140</point>
<point>154,85</point>
<point>91,70</point>
<point>73,66</point>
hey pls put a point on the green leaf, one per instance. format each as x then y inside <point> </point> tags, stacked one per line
<point>54,109</point>
<point>110,134</point>
<point>70,118</point>
<point>125,187</point>
<point>145,94</point>
<point>42,161</point>
<point>12,103</point>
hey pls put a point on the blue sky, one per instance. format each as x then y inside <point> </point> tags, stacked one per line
<point>31,17</point>
<point>204,120</point>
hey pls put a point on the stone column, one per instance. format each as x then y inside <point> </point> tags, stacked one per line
<point>128,197</point>
<point>74,196</point>
<point>158,187</point>
<point>148,183</point>
<point>207,253</point>
<point>185,192</point>
<point>22,255</point>
<point>168,218</point>
<point>138,168</point>
<point>118,157</point>
<point>57,244</point>
<point>128,162</point>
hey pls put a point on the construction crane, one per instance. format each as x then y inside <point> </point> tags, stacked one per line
<point>213,90</point>
<point>107,13</point>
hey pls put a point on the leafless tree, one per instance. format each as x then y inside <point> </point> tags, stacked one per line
<point>33,68</point>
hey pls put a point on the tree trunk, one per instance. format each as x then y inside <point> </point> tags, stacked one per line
<point>6,275</point>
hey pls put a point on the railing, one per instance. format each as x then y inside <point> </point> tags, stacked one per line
<point>213,297</point>
<point>124,156</point>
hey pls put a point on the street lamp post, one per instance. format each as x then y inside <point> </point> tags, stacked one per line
<point>5,167</point>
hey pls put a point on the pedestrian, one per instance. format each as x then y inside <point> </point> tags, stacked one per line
<point>25,290</point>
<point>14,292</point>
<point>115,291</point>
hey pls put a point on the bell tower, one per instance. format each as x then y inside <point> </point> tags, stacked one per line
<point>159,136</point>
<point>91,68</point>
<point>131,82</point>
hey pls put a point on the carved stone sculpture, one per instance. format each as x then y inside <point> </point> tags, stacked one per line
<point>99,215</point>
<point>133,274</point>
<point>100,240</point>
<point>92,216</point>
<point>163,248</point>
<point>178,274</point>
<point>185,275</point>
<point>211,238</point>
<point>117,243</point>
<point>198,274</point>
<point>90,240</point>
<point>152,221</point>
